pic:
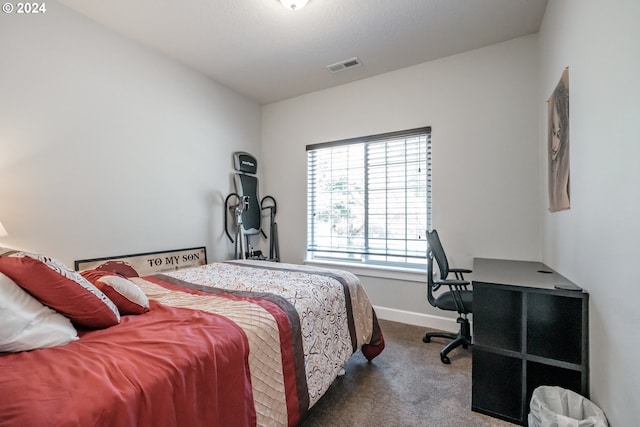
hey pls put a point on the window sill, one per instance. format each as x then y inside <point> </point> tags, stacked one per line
<point>378,271</point>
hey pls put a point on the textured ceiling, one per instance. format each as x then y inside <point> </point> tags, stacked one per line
<point>269,53</point>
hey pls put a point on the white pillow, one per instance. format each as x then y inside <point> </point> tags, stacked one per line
<point>26,324</point>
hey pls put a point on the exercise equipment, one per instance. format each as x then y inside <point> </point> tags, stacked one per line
<point>246,210</point>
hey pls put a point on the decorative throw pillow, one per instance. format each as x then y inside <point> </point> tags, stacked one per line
<point>56,285</point>
<point>26,324</point>
<point>125,294</point>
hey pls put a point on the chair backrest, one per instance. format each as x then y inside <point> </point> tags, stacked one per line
<point>430,297</point>
<point>435,252</point>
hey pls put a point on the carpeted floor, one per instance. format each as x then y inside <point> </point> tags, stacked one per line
<point>406,386</point>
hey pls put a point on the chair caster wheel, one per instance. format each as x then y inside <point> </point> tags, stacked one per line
<point>426,338</point>
<point>445,360</point>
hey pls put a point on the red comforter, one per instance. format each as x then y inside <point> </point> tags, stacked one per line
<point>168,367</point>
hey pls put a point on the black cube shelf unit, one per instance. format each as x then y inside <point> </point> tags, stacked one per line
<point>530,328</point>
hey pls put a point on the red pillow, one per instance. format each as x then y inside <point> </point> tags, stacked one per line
<point>59,287</point>
<point>125,294</point>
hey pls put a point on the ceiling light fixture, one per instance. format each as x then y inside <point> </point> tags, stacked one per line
<point>294,4</point>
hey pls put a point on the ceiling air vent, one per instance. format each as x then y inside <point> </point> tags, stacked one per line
<point>343,65</point>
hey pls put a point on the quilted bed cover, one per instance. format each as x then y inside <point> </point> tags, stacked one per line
<point>239,343</point>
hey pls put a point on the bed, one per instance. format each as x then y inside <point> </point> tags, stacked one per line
<point>237,343</point>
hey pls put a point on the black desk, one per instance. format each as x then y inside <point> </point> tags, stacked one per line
<point>530,328</point>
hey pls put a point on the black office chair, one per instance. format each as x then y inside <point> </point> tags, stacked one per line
<point>457,298</point>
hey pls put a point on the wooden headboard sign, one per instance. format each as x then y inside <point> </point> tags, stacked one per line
<point>146,264</point>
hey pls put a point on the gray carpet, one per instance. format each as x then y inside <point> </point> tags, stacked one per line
<point>406,385</point>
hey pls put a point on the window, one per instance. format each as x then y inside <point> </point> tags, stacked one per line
<point>369,198</point>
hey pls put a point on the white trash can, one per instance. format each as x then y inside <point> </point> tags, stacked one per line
<point>559,407</point>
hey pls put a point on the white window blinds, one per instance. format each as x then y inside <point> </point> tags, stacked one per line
<point>369,198</point>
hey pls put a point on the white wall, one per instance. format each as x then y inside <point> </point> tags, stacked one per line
<point>482,108</point>
<point>107,148</point>
<point>595,243</point>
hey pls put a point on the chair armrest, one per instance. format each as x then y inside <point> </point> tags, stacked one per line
<point>451,282</point>
<point>460,270</point>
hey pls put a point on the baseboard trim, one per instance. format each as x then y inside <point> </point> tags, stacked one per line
<point>417,319</point>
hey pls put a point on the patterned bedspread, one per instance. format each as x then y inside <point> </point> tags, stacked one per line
<point>302,324</point>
